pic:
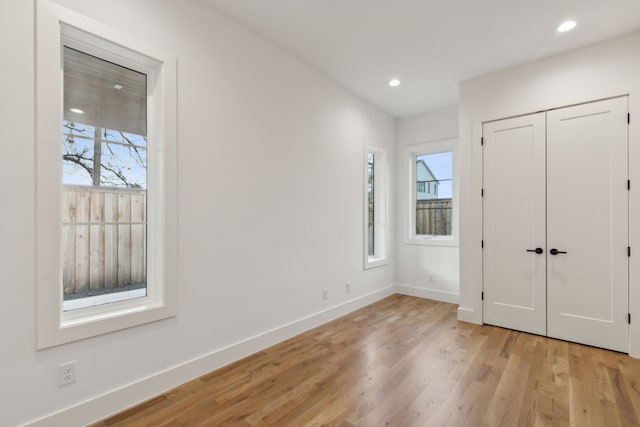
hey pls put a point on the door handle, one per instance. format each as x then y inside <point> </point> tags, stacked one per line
<point>554,251</point>
<point>536,250</point>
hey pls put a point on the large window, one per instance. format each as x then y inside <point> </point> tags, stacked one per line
<point>433,193</point>
<point>104,176</point>
<point>375,233</point>
<point>106,188</point>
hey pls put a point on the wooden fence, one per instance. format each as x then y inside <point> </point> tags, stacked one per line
<point>104,238</point>
<point>433,217</point>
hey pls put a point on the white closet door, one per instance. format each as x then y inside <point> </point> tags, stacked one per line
<point>514,223</point>
<point>587,217</point>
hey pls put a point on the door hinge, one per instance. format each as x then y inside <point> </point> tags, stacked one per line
<point>482,140</point>
<point>628,184</point>
<point>482,192</point>
<point>628,250</point>
<point>482,296</point>
<point>482,244</point>
<point>628,118</point>
<point>629,318</point>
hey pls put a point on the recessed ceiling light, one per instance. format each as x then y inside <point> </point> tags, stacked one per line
<point>76,110</point>
<point>567,26</point>
<point>117,86</point>
<point>394,82</point>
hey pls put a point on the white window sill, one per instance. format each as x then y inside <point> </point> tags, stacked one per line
<point>375,262</point>
<point>75,304</point>
<point>427,241</point>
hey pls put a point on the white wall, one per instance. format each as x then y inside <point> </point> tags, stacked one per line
<point>599,71</point>
<point>417,265</point>
<point>252,120</point>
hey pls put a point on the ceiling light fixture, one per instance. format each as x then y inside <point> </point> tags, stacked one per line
<point>76,110</point>
<point>567,26</point>
<point>394,82</point>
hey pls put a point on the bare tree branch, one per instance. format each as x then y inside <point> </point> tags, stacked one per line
<point>111,164</point>
<point>78,160</point>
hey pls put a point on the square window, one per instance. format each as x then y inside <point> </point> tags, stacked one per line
<point>434,205</point>
<point>433,193</point>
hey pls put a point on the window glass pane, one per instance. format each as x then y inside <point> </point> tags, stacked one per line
<point>371,203</point>
<point>122,157</point>
<point>124,161</point>
<point>104,176</point>
<point>77,155</point>
<point>434,192</point>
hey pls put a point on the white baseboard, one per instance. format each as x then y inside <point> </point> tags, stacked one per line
<point>468,315</point>
<point>433,294</point>
<point>119,399</point>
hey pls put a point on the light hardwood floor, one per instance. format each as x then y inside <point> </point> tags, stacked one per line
<point>406,361</point>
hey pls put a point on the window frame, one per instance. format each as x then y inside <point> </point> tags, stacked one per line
<point>411,154</point>
<point>58,26</point>
<point>381,207</point>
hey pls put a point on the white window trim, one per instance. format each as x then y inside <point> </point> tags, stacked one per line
<point>381,207</point>
<point>54,326</point>
<point>411,152</point>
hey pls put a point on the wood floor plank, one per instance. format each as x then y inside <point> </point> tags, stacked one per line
<point>406,361</point>
<point>631,380</point>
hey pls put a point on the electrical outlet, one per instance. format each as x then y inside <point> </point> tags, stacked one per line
<point>348,287</point>
<point>67,373</point>
<point>431,277</point>
<point>325,293</point>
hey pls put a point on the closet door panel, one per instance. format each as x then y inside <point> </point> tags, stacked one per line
<point>513,223</point>
<point>587,217</point>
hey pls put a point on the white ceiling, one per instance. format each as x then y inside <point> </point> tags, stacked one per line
<point>430,45</point>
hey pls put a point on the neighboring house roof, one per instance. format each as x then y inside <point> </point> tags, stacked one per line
<point>430,176</point>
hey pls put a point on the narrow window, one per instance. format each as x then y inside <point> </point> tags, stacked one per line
<point>375,208</point>
<point>371,203</point>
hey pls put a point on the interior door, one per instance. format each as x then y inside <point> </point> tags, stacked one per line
<point>514,262</point>
<point>587,224</point>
